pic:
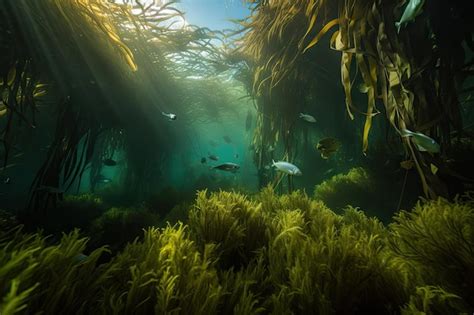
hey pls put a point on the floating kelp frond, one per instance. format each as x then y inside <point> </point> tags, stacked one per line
<point>99,14</point>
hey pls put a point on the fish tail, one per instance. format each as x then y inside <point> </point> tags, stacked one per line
<point>406,133</point>
<point>399,26</point>
<point>273,162</point>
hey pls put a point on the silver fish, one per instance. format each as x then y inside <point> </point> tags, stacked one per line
<point>287,168</point>
<point>228,166</point>
<point>412,10</point>
<point>307,118</point>
<point>213,157</point>
<point>422,142</point>
<point>169,115</point>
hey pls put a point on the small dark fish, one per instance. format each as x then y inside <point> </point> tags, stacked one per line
<point>2,168</point>
<point>7,181</point>
<point>109,162</point>
<point>229,167</point>
<point>236,155</point>
<point>329,171</point>
<point>203,160</point>
<point>227,139</point>
<point>213,157</point>
<point>51,189</point>
<point>248,120</point>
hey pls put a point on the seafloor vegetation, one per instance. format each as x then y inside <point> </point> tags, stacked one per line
<point>268,253</point>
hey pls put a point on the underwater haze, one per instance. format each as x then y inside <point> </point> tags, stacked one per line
<point>236,157</point>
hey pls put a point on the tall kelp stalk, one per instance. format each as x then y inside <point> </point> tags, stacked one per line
<point>164,44</point>
<point>74,46</point>
<point>281,77</point>
<point>417,74</point>
<point>79,49</point>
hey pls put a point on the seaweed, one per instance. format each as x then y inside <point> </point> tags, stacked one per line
<point>437,237</point>
<point>230,220</point>
<point>417,74</point>
<point>306,259</point>
<point>118,226</point>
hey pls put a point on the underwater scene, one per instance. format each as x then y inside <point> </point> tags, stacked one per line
<point>236,157</point>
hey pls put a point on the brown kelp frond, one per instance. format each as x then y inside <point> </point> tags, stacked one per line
<point>99,16</point>
<point>80,34</point>
<point>403,74</point>
<point>417,74</point>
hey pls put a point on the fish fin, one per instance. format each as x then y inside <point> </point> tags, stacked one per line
<point>301,115</point>
<point>420,148</point>
<point>406,133</point>
<point>399,26</point>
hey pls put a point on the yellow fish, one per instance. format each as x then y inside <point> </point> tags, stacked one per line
<point>407,165</point>
<point>327,147</point>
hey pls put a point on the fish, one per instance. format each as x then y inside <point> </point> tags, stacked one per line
<point>213,157</point>
<point>169,115</point>
<point>80,258</point>
<point>308,118</point>
<point>248,120</point>
<point>228,166</point>
<point>236,155</point>
<point>327,147</point>
<point>412,10</point>
<point>287,168</point>
<point>407,165</point>
<point>51,189</point>
<point>109,162</point>
<point>203,160</point>
<point>422,142</point>
<point>7,181</point>
<point>102,179</point>
<point>227,139</point>
<point>2,168</point>
<point>329,171</point>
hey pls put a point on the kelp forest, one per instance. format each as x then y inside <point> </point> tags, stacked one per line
<point>307,157</point>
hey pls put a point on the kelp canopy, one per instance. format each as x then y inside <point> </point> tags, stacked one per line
<point>415,77</point>
<point>98,67</point>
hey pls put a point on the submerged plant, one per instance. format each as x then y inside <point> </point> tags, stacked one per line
<point>163,274</point>
<point>49,278</point>
<point>438,237</point>
<point>117,226</point>
<point>354,188</point>
<point>285,254</point>
<point>230,220</point>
